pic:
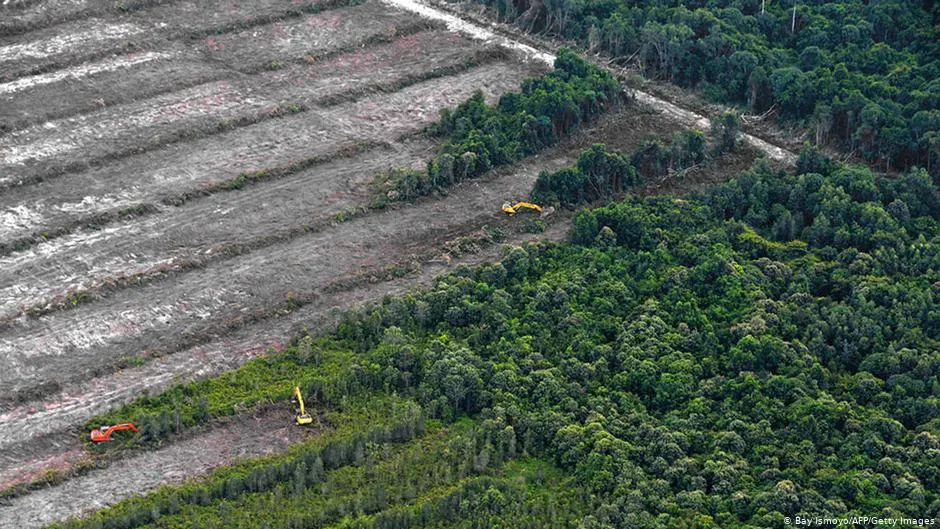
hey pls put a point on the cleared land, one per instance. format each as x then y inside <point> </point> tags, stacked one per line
<point>164,128</point>
<point>134,255</point>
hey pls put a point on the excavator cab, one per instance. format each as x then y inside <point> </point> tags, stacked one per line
<point>302,416</point>
<point>99,435</point>
<point>512,209</point>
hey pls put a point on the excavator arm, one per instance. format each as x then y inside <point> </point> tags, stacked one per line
<point>302,416</point>
<point>518,206</point>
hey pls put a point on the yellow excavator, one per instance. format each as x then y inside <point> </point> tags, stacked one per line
<point>519,206</point>
<point>302,416</point>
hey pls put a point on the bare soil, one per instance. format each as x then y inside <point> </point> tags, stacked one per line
<point>361,75</point>
<point>48,149</point>
<point>23,16</point>
<point>79,38</point>
<point>250,436</point>
<point>220,158</point>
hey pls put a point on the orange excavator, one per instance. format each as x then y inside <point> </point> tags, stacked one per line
<point>104,433</point>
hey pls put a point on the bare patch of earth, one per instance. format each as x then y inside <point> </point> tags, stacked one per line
<point>111,81</point>
<point>111,132</point>
<point>23,16</point>
<point>84,39</point>
<point>180,167</point>
<point>198,232</point>
<point>262,434</point>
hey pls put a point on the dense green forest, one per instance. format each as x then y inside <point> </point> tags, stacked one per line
<point>864,76</point>
<point>767,348</point>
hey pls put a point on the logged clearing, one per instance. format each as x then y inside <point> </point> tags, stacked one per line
<point>251,436</point>
<point>134,256</point>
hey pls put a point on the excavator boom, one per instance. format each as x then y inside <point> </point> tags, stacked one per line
<point>302,416</point>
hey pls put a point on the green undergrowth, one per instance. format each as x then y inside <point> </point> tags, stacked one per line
<point>323,369</point>
<point>522,493</point>
<point>400,469</point>
<point>359,426</point>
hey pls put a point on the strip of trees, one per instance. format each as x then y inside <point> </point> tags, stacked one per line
<point>478,137</point>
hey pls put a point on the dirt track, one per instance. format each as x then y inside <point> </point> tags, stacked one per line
<point>216,267</point>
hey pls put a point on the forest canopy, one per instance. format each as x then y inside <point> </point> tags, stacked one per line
<point>768,348</point>
<point>862,76</point>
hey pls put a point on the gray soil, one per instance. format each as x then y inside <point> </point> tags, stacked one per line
<point>222,154</point>
<point>77,35</point>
